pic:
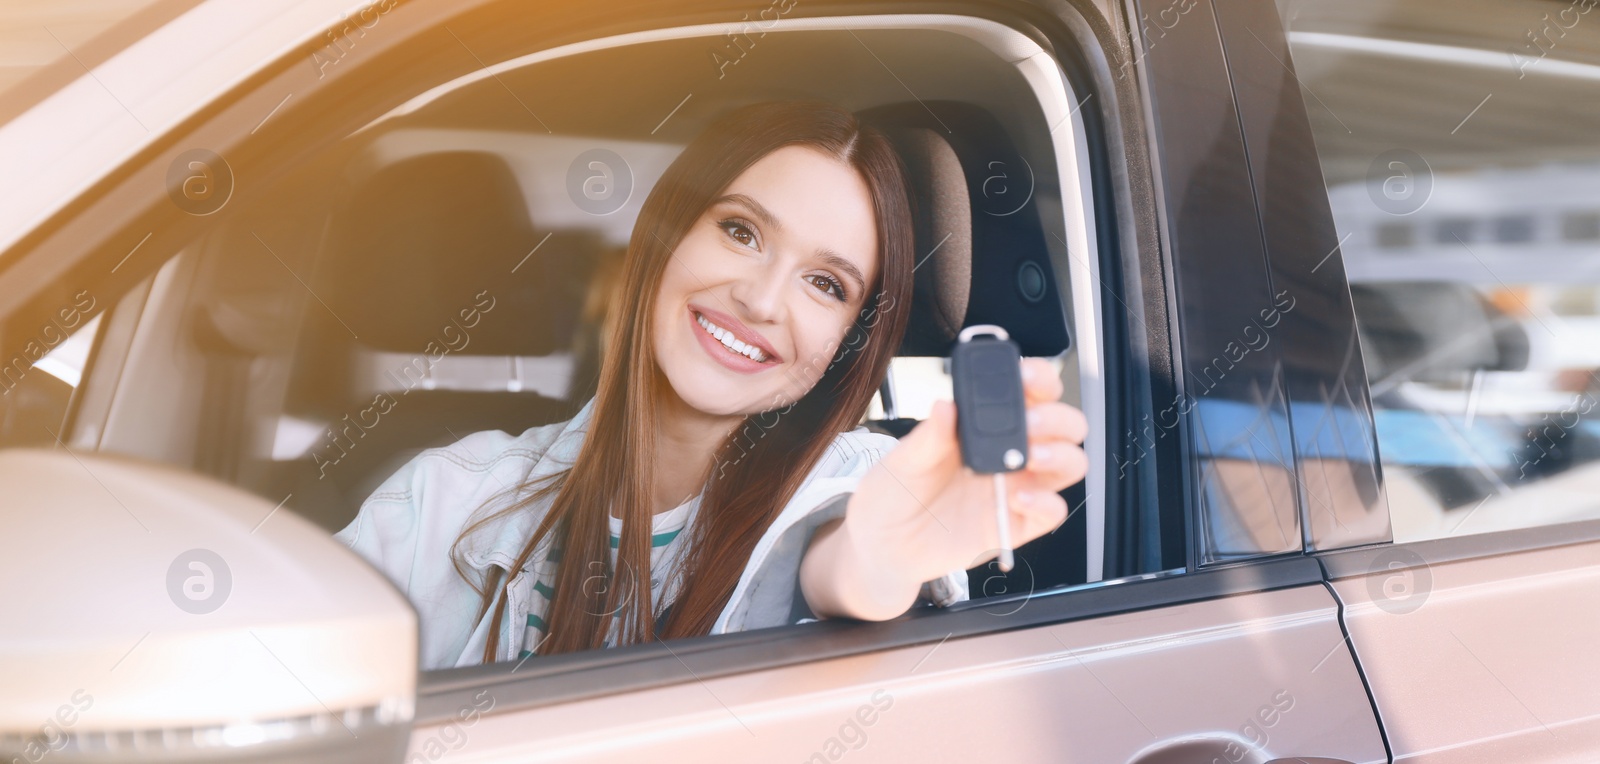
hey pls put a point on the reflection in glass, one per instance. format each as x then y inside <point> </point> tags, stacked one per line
<point>1481,334</point>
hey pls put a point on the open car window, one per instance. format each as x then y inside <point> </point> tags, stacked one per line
<point>322,275</point>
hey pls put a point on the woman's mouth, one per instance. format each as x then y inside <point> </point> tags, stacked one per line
<point>721,343</point>
<point>726,338</point>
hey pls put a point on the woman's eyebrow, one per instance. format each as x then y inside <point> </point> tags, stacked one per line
<point>828,256</point>
<point>838,261</point>
<point>755,208</point>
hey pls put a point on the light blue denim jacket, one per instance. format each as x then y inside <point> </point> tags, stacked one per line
<point>406,527</point>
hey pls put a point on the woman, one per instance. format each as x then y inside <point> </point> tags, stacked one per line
<point>765,291</point>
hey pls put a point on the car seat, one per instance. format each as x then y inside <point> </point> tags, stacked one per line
<point>419,242</point>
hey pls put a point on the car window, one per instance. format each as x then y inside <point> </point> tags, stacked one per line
<point>463,167</point>
<point>307,334</point>
<point>1460,144</point>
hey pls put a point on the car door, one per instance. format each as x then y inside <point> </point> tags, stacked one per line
<point>1198,631</point>
<point>1458,146</point>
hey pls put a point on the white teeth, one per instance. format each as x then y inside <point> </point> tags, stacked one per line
<point>727,339</point>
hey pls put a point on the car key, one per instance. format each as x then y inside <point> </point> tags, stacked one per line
<point>991,413</point>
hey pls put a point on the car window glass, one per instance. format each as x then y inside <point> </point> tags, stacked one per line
<point>1460,143</point>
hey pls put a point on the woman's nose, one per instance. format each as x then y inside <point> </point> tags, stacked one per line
<point>759,295</point>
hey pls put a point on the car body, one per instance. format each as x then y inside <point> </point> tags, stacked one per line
<point>1263,564</point>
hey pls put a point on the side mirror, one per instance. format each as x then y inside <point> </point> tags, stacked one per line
<point>156,615</point>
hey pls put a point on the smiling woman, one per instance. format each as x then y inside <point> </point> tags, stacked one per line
<point>778,264</point>
<point>780,232</point>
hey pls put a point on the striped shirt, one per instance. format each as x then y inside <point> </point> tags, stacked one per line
<point>667,544</point>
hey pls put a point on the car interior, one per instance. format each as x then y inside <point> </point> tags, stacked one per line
<point>431,275</point>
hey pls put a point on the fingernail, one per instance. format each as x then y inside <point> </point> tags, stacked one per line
<point>1035,419</point>
<point>1039,453</point>
<point>1028,371</point>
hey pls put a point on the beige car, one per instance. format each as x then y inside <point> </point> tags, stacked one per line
<point>1330,272</point>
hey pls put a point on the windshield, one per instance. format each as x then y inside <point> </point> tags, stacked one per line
<point>46,44</point>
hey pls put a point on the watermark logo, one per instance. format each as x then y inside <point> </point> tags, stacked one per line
<point>1256,729</point>
<point>452,338</point>
<point>599,181</point>
<point>1166,20</point>
<point>1005,193</point>
<point>738,40</point>
<point>56,731</point>
<point>341,38</point>
<point>199,182</point>
<point>198,581</point>
<point>801,378</point>
<point>852,735</point>
<point>1253,338</point>
<point>598,584</point>
<point>1399,581</point>
<point>990,582</point>
<point>61,326</point>
<point>1539,42</point>
<point>452,735</point>
<point>1525,460</point>
<point>1399,181</point>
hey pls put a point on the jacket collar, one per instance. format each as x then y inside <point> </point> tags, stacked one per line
<point>508,534</point>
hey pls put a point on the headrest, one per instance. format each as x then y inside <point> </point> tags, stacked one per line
<point>980,248</point>
<point>1437,329</point>
<point>423,238</point>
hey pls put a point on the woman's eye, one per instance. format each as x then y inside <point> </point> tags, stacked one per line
<point>738,232</point>
<point>830,285</point>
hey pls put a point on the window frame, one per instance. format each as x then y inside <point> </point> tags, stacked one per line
<point>121,32</point>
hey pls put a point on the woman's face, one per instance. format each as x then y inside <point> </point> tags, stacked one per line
<point>778,267</point>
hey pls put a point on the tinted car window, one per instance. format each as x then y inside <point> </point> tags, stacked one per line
<point>1460,144</point>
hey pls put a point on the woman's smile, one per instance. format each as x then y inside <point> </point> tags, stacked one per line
<point>730,342</point>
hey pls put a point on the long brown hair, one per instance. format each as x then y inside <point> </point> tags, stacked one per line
<point>764,460</point>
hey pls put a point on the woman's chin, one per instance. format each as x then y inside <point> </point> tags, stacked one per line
<point>716,400</point>
<point>716,397</point>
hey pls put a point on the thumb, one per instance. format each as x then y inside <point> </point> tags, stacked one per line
<point>933,439</point>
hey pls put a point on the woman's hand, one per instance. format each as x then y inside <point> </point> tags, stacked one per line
<point>920,513</point>
<point>927,513</point>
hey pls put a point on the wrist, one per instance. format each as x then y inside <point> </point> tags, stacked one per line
<point>892,547</point>
<point>881,553</point>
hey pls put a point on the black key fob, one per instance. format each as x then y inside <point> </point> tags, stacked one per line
<point>991,413</point>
